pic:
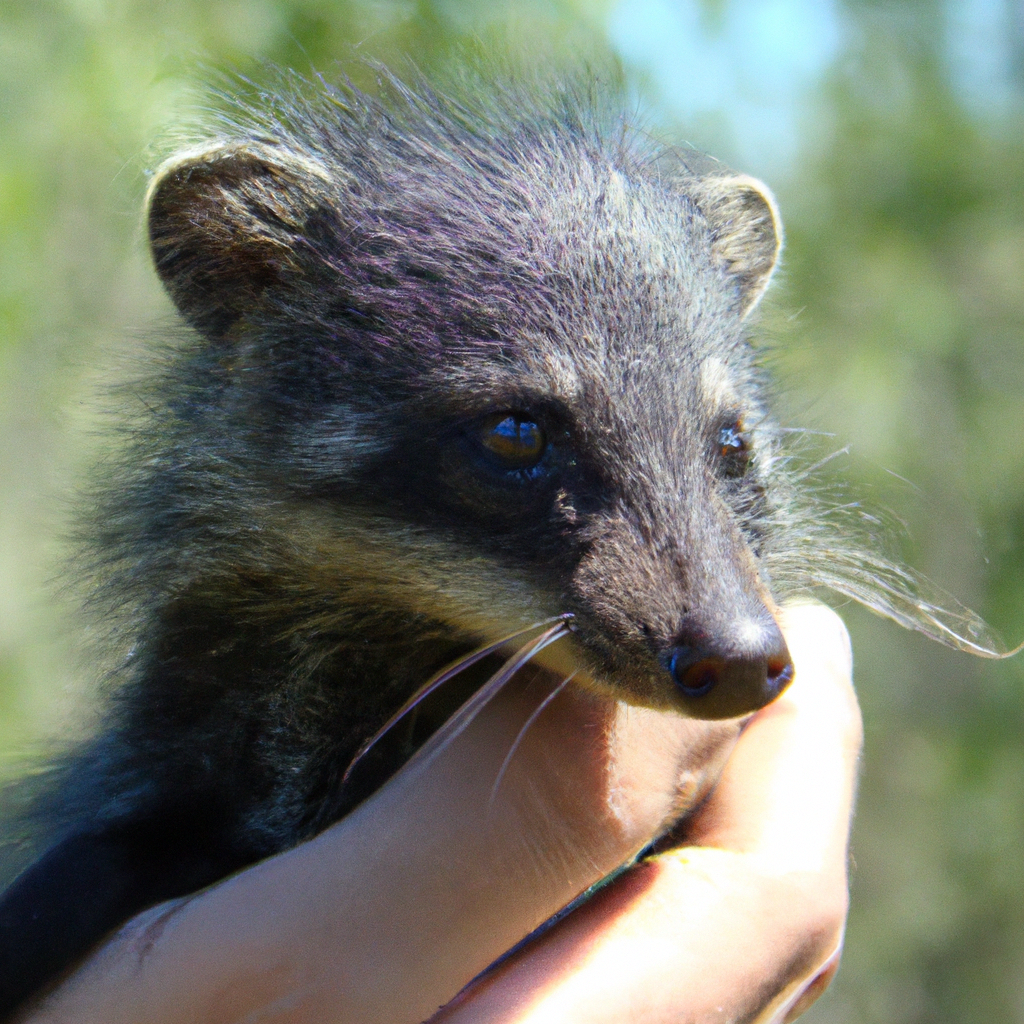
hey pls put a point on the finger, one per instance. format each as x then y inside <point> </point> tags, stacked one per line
<point>813,990</point>
<point>787,792</point>
<point>698,937</point>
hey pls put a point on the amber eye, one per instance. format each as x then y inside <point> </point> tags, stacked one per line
<point>733,449</point>
<point>517,441</point>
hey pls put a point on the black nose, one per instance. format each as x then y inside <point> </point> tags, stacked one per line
<point>730,669</point>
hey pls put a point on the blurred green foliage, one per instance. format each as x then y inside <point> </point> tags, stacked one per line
<point>898,326</point>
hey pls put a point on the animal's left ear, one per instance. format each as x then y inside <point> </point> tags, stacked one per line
<point>232,223</point>
<point>746,231</point>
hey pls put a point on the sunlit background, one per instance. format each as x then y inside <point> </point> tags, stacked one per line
<point>892,135</point>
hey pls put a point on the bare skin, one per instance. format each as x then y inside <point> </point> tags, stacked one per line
<point>390,913</point>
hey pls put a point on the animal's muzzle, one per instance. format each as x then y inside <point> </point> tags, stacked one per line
<point>729,670</point>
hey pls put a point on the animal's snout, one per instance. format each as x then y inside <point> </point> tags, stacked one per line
<point>725,670</point>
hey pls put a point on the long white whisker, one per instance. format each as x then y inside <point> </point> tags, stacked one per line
<point>538,711</point>
<point>460,721</point>
<point>436,681</point>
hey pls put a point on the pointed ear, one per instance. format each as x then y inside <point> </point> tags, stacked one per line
<point>746,231</point>
<point>228,222</point>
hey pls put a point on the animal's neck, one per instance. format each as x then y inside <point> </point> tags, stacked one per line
<point>277,705</point>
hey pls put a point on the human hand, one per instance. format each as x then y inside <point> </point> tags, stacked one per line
<point>744,919</point>
<point>388,914</point>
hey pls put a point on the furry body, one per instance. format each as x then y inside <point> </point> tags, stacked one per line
<point>323,501</point>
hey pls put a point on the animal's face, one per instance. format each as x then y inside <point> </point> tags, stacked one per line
<point>501,393</point>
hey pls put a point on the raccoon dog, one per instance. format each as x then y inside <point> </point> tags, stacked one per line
<point>453,369</point>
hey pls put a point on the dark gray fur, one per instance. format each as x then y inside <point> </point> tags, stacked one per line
<point>303,525</point>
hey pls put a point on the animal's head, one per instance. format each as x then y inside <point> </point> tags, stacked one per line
<point>483,372</point>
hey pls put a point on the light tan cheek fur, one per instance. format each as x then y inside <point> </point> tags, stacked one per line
<point>717,385</point>
<point>353,568</point>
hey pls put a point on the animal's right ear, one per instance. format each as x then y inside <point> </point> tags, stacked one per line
<point>229,222</point>
<point>746,231</point>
